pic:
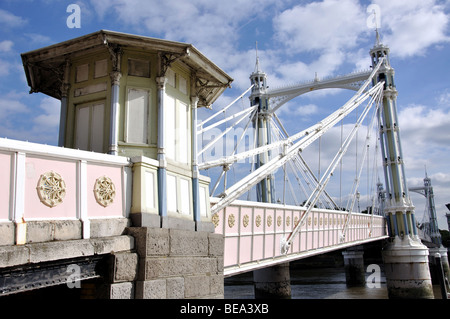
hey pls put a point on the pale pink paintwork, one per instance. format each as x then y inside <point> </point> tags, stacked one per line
<point>94,209</point>
<point>254,237</point>
<point>79,200</point>
<point>5,192</point>
<point>34,209</point>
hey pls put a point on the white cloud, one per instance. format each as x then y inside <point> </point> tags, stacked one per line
<point>327,25</point>
<point>410,27</point>
<point>425,128</point>
<point>10,105</point>
<point>49,120</point>
<point>40,39</point>
<point>291,111</point>
<point>6,46</point>
<point>7,19</point>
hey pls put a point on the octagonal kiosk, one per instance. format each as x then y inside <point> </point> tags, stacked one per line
<point>137,97</point>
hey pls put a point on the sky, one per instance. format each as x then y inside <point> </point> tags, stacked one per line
<point>295,40</point>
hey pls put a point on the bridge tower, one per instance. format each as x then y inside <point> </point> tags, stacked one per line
<point>405,257</point>
<point>271,282</point>
<point>261,125</point>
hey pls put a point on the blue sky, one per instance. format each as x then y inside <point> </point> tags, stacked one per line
<point>295,40</point>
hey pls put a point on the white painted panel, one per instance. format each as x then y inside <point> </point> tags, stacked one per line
<point>170,77</point>
<point>90,89</point>
<point>137,116</point>
<point>150,191</point>
<point>82,128</point>
<point>183,84</point>
<point>101,68</point>
<point>183,134</point>
<point>97,127</point>
<point>139,68</point>
<point>202,201</point>
<point>171,193</point>
<point>169,126</point>
<point>82,73</point>
<point>185,197</point>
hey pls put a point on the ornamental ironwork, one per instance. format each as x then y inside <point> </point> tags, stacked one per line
<point>51,189</point>
<point>258,221</point>
<point>104,191</point>
<point>231,220</point>
<point>245,220</point>
<point>269,220</point>
<point>215,220</point>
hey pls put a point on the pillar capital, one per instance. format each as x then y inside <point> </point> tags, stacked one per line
<point>115,77</point>
<point>194,101</point>
<point>161,82</point>
<point>65,87</point>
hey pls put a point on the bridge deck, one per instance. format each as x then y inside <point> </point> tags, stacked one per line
<point>254,231</point>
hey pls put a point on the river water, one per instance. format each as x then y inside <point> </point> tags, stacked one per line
<point>310,283</point>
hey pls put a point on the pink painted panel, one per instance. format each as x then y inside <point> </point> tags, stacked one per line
<point>326,238</point>
<point>230,246</point>
<point>5,191</point>
<point>302,241</point>
<point>316,238</point>
<point>270,220</point>
<point>219,228</point>
<point>245,249</point>
<point>315,221</point>
<point>115,209</point>
<point>278,239</point>
<point>258,220</point>
<point>34,209</point>
<point>296,244</point>
<point>280,220</point>
<point>320,238</point>
<point>246,220</point>
<point>231,220</point>
<point>258,245</point>
<point>309,240</point>
<point>268,246</point>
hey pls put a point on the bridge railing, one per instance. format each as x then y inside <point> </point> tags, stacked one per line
<point>254,231</point>
<point>53,193</point>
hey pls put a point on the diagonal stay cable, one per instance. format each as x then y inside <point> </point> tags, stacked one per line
<point>312,134</point>
<point>286,242</point>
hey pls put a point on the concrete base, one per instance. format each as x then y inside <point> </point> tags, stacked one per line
<point>272,282</point>
<point>406,269</point>
<point>355,274</point>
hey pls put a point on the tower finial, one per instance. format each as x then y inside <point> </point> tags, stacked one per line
<point>378,40</point>
<point>257,69</point>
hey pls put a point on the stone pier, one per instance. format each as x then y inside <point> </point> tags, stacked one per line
<point>177,264</point>
<point>272,282</point>
<point>406,269</point>
<point>355,274</point>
